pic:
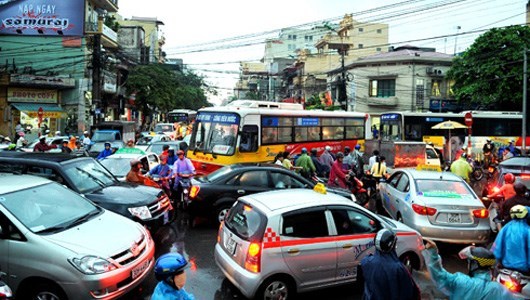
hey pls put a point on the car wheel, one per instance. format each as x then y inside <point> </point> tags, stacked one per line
<point>46,291</point>
<point>222,211</point>
<point>406,260</point>
<point>276,288</point>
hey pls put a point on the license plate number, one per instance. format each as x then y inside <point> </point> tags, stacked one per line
<point>231,246</point>
<point>454,218</point>
<point>139,269</point>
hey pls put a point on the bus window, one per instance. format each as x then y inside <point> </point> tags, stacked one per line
<point>269,135</point>
<point>249,139</point>
<point>285,134</point>
<point>300,134</point>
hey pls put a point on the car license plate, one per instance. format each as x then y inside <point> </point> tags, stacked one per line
<point>454,218</point>
<point>139,269</point>
<point>231,246</point>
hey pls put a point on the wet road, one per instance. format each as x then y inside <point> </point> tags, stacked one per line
<point>207,282</point>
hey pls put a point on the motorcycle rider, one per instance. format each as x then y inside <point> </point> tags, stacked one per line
<point>507,190</point>
<point>134,175</point>
<point>477,285</point>
<point>106,152</point>
<point>519,199</point>
<point>305,165</point>
<point>171,276</point>
<point>383,275</point>
<point>163,170</point>
<point>42,146</point>
<point>182,168</point>
<point>461,167</point>
<point>488,150</point>
<point>512,245</point>
<point>338,176</point>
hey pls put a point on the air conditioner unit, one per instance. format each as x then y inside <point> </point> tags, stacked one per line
<point>437,72</point>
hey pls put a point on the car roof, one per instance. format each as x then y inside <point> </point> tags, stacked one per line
<point>126,155</point>
<point>166,142</point>
<point>517,162</point>
<point>15,182</point>
<point>416,174</point>
<point>55,157</point>
<point>290,199</point>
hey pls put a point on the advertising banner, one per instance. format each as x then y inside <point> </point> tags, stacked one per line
<point>38,17</point>
<point>31,95</point>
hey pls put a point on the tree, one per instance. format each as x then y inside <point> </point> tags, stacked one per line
<point>490,73</point>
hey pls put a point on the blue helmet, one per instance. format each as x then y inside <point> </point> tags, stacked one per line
<point>357,146</point>
<point>304,150</point>
<point>169,265</point>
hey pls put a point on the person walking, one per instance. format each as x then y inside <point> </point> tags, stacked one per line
<point>383,275</point>
<point>305,165</point>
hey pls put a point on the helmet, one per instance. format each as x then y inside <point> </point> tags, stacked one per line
<point>304,150</point>
<point>42,138</point>
<point>328,148</point>
<point>169,265</point>
<point>7,139</point>
<point>58,132</point>
<point>512,141</point>
<point>180,152</point>
<point>477,258</point>
<point>135,162</point>
<point>107,144</point>
<point>347,148</point>
<point>314,151</point>
<point>509,178</point>
<point>357,146</point>
<point>85,132</point>
<point>385,240</point>
<point>520,189</point>
<point>464,155</point>
<point>488,140</point>
<point>518,212</point>
<point>339,155</point>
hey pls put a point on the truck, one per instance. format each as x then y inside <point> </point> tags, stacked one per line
<point>117,133</point>
<point>405,154</point>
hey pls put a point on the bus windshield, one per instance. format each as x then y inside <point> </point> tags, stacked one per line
<point>215,133</point>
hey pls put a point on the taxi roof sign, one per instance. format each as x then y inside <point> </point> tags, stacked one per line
<point>320,188</point>
<point>429,168</point>
<point>130,151</point>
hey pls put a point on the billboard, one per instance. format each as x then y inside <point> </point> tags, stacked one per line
<point>42,17</point>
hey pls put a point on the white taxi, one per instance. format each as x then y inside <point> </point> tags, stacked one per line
<point>275,244</point>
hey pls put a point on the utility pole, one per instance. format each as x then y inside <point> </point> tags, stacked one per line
<point>96,76</point>
<point>525,79</point>
<point>343,98</point>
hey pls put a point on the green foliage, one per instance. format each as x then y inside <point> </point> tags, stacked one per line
<point>162,89</point>
<point>490,73</point>
<point>316,101</point>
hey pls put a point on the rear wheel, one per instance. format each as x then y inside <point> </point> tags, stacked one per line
<point>477,174</point>
<point>276,288</point>
<point>222,211</point>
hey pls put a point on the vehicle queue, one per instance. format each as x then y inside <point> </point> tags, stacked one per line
<point>264,237</point>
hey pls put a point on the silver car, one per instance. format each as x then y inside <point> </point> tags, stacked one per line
<point>440,205</point>
<point>55,244</point>
<point>274,244</point>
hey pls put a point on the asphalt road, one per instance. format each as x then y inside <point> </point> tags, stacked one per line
<point>207,282</point>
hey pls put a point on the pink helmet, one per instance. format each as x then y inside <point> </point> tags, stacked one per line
<point>21,133</point>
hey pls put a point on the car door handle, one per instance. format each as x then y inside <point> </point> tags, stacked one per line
<point>347,246</point>
<point>293,251</point>
<point>241,192</point>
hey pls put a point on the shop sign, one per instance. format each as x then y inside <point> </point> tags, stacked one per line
<point>109,82</point>
<point>49,81</point>
<point>45,114</point>
<point>50,17</point>
<point>31,95</point>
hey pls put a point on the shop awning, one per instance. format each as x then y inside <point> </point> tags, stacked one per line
<point>31,109</point>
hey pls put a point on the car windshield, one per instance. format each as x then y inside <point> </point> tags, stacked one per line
<point>215,133</point>
<point>245,221</point>
<point>118,166</point>
<point>88,175</point>
<point>218,173</point>
<point>163,127</point>
<point>103,136</point>
<point>48,208</point>
<point>443,188</point>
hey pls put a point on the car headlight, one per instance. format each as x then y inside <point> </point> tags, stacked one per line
<point>92,265</point>
<point>141,212</point>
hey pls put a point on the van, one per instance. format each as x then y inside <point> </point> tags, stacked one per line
<point>56,244</point>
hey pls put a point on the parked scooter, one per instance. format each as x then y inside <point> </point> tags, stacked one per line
<point>514,281</point>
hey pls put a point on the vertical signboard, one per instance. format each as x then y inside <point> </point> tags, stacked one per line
<point>37,17</point>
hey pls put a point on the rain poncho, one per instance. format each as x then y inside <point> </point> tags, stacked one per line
<point>459,286</point>
<point>512,246</point>
<point>164,291</point>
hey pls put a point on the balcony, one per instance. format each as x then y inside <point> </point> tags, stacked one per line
<point>385,102</point>
<point>110,6</point>
<point>109,37</point>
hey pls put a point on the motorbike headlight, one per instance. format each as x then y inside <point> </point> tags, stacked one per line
<point>141,212</point>
<point>92,265</point>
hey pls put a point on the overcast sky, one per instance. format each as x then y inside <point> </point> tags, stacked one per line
<point>191,26</point>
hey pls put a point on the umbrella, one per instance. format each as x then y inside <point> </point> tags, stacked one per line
<point>449,125</point>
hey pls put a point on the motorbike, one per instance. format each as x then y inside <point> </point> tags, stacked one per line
<point>514,281</point>
<point>492,204</point>
<point>184,186</point>
<point>357,188</point>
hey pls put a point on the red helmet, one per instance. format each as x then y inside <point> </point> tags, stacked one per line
<point>509,178</point>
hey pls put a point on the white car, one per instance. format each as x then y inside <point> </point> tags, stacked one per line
<point>274,244</point>
<point>119,163</point>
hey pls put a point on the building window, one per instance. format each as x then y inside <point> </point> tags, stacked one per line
<point>382,88</point>
<point>378,49</point>
<point>308,38</point>
<point>379,31</point>
<point>435,91</point>
<point>361,29</point>
<point>291,37</point>
<point>360,46</point>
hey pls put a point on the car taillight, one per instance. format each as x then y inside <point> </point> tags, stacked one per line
<point>481,213</point>
<point>194,191</point>
<point>511,284</point>
<point>252,263</point>
<point>219,233</point>
<point>423,210</point>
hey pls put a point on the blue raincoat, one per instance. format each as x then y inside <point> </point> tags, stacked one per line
<point>386,278</point>
<point>164,291</point>
<point>512,246</point>
<point>459,286</point>
<point>104,153</point>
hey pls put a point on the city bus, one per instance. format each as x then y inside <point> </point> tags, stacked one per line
<point>247,134</point>
<point>181,115</point>
<point>500,127</point>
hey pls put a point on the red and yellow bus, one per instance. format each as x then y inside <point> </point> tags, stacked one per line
<point>255,131</point>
